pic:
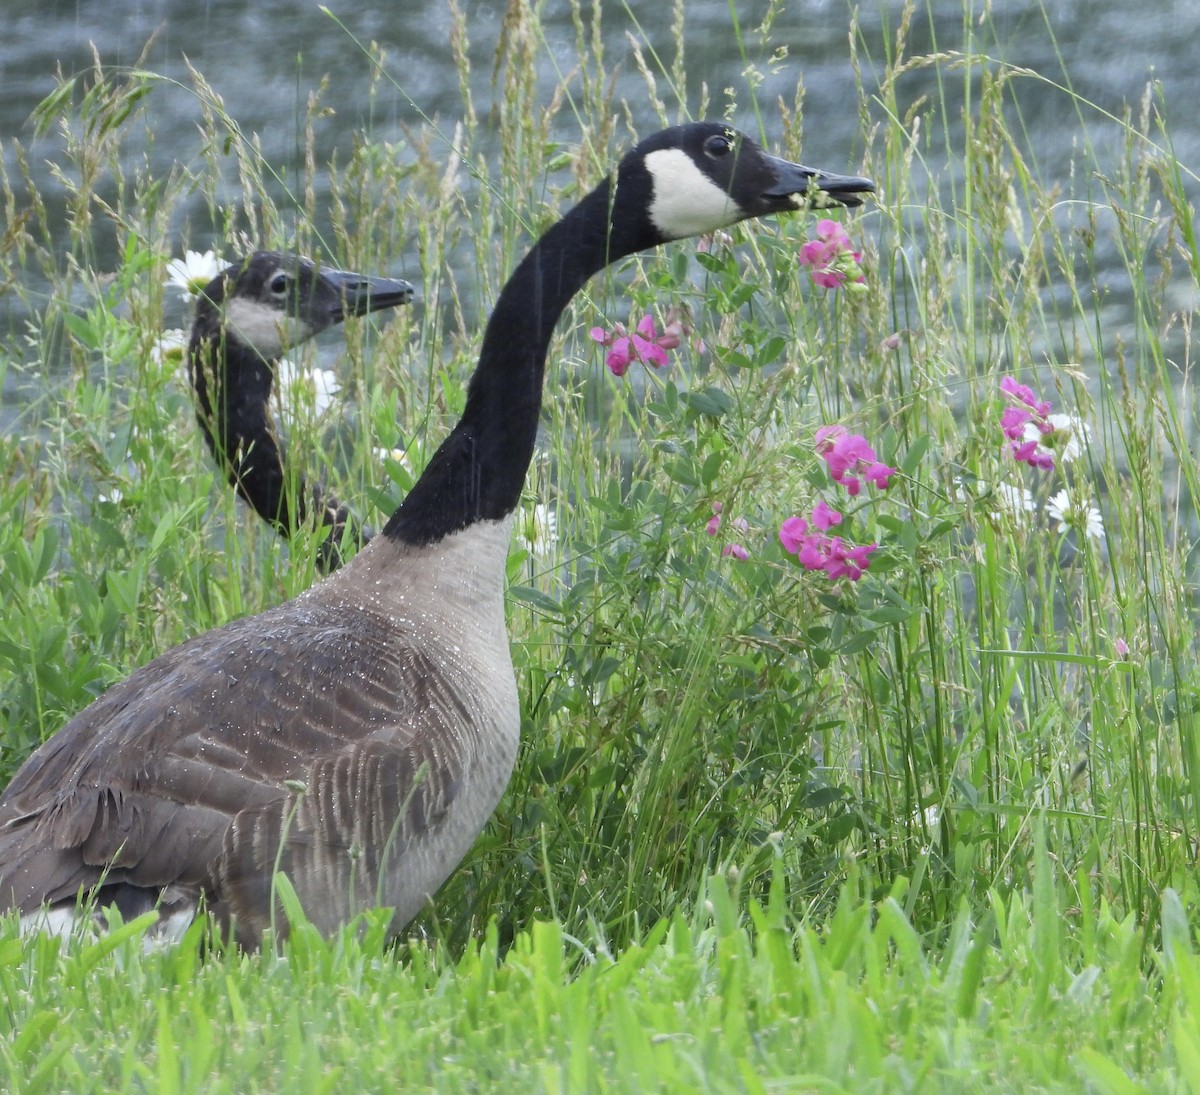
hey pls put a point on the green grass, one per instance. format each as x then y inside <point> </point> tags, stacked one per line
<point>720,999</point>
<point>929,829</point>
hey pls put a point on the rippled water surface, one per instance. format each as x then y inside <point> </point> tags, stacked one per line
<point>264,58</point>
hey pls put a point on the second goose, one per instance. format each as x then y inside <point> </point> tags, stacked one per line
<point>246,318</point>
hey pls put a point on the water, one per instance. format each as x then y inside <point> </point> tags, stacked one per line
<point>265,58</point>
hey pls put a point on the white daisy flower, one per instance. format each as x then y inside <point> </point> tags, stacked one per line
<point>169,347</point>
<point>539,529</point>
<point>325,383</point>
<point>1065,440</point>
<point>191,274</point>
<point>1069,436</point>
<point>321,384</point>
<point>1014,501</point>
<point>399,455</point>
<point>1002,499</point>
<point>1080,515</point>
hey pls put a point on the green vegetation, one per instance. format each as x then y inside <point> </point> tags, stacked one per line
<point>934,829</point>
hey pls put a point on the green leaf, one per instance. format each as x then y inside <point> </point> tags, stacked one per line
<point>891,614</point>
<point>914,456</point>
<point>535,598</point>
<point>857,643</point>
<point>711,467</point>
<point>83,331</point>
<point>710,401</point>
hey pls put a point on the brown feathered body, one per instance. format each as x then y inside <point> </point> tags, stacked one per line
<point>369,723</point>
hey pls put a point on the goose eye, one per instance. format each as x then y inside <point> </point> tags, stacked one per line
<point>278,283</point>
<point>718,146</point>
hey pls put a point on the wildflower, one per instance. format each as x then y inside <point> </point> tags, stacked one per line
<point>322,384</point>
<point>1026,423</point>
<point>540,531</point>
<point>168,348</point>
<point>831,259</point>
<point>1121,647</point>
<point>1022,393</point>
<point>849,560</point>
<point>193,272</point>
<point>645,344</point>
<point>792,534</point>
<point>1079,515</point>
<point>824,517</point>
<point>712,240</point>
<point>714,522</point>
<point>1058,435</point>
<point>400,456</point>
<point>738,551</point>
<point>817,551</point>
<point>1066,437</point>
<point>849,456</point>
<point>1014,501</point>
<point>679,327</point>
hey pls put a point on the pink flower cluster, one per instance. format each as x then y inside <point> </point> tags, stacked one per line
<point>1025,423</point>
<point>831,259</point>
<point>849,456</point>
<point>645,344</point>
<point>815,550</point>
<point>738,551</point>
<point>850,460</point>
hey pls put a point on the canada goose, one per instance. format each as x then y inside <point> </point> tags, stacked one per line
<point>358,737</point>
<point>246,318</point>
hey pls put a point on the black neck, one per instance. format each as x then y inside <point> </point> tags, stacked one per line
<point>233,391</point>
<point>478,472</point>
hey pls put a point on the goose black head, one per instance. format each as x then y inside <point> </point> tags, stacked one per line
<point>696,178</point>
<point>271,300</point>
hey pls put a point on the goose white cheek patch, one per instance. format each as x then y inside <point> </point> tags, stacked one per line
<point>268,330</point>
<point>686,201</point>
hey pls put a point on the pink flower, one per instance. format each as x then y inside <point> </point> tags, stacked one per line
<point>847,560</point>
<point>1022,393</point>
<point>1026,423</point>
<point>816,551</point>
<point>1032,453</point>
<point>1122,648</point>
<point>714,522</point>
<point>738,551</point>
<point>711,240</point>
<point>792,534</point>
<point>645,344</point>
<point>831,258</point>
<point>824,517</point>
<point>849,456</point>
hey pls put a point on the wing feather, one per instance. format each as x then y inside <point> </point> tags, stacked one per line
<point>142,786</point>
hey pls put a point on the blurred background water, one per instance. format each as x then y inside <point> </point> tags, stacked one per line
<point>265,58</point>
